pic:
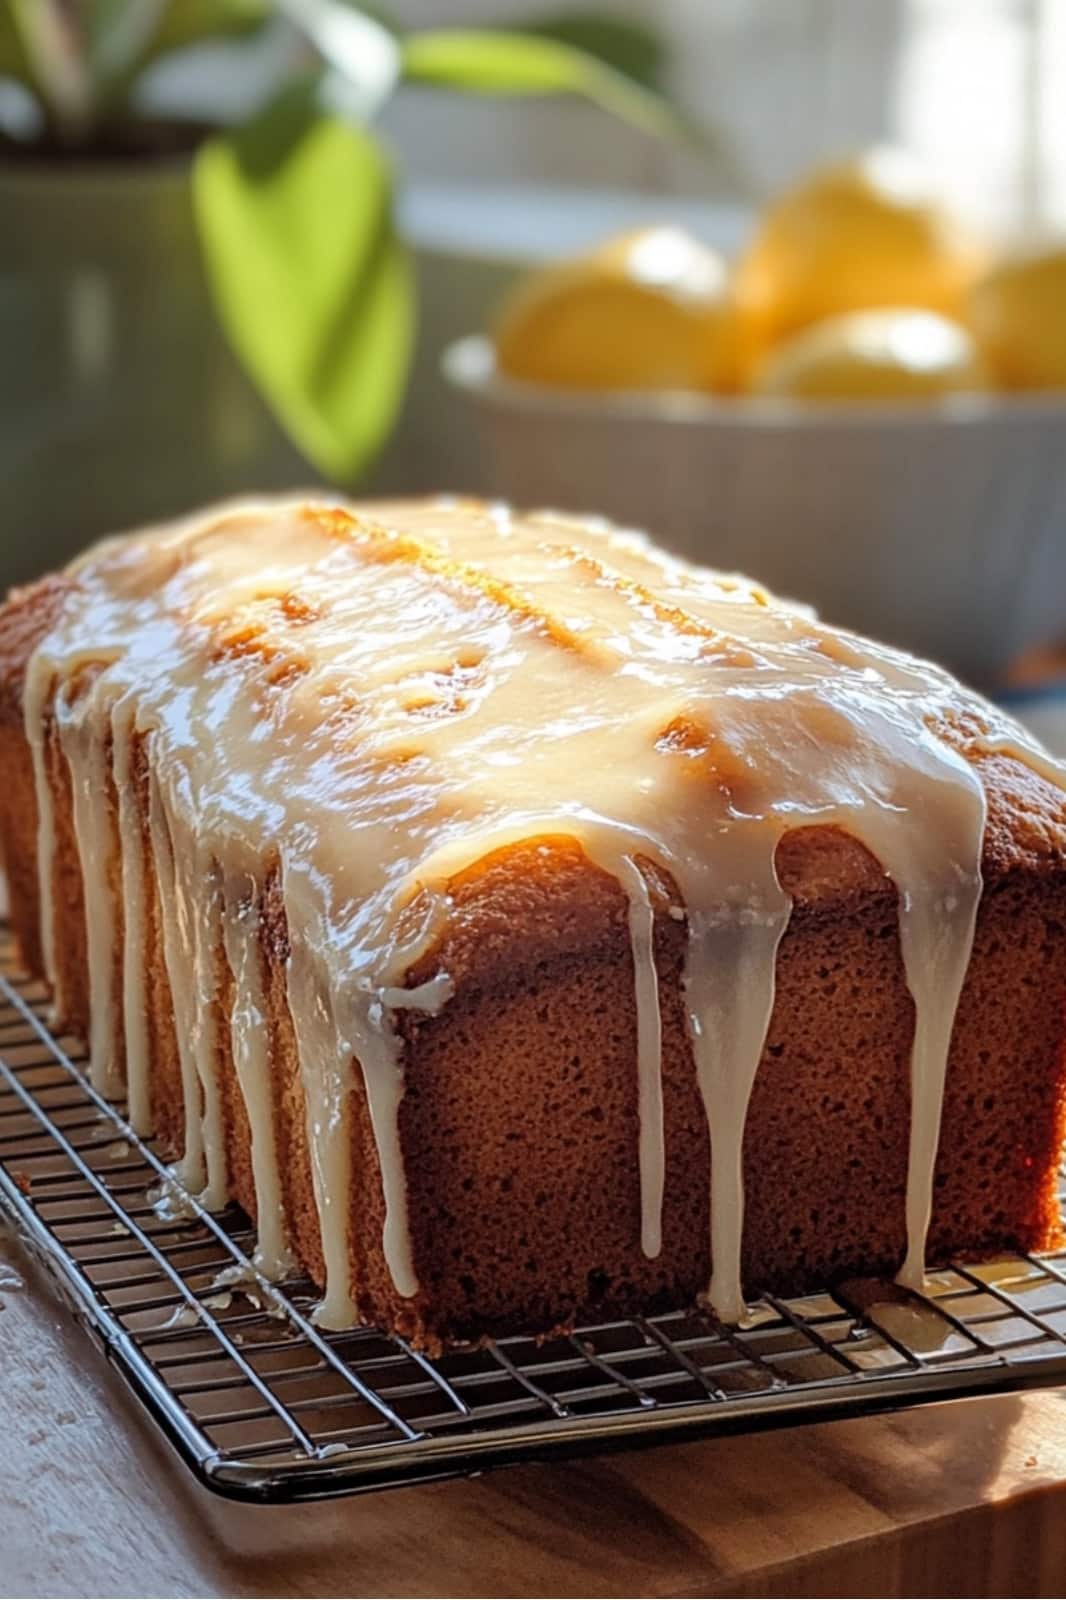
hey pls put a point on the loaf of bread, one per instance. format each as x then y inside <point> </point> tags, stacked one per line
<point>523,925</point>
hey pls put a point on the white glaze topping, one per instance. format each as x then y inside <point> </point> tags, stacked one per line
<point>82,720</point>
<point>251,1059</point>
<point>133,866</point>
<point>377,698</point>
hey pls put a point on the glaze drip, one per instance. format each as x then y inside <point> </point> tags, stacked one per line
<point>133,864</point>
<point>250,1045</point>
<point>370,700</point>
<point>652,1151</point>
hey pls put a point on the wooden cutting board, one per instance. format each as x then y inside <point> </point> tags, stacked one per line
<point>967,1498</point>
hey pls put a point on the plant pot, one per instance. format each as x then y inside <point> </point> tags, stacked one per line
<point>120,400</point>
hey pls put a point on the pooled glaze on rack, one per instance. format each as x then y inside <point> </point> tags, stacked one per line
<point>372,699</point>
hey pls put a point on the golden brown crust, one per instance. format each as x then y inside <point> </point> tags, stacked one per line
<point>1026,827</point>
<point>25,618</point>
<point>532,901</point>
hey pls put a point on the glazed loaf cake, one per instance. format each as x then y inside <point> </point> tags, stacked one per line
<point>523,925</point>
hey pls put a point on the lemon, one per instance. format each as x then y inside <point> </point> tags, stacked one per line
<point>866,233</point>
<point>648,310</point>
<point>874,355</point>
<point>1018,313</point>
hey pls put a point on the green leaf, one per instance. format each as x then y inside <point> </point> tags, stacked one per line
<point>502,63</point>
<point>14,62</point>
<point>362,52</point>
<point>119,35</point>
<point>629,47</point>
<point>189,22</point>
<point>52,41</point>
<point>311,282</point>
<point>125,39</point>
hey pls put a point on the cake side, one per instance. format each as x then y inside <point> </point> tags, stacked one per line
<point>548,1163</point>
<point>25,618</point>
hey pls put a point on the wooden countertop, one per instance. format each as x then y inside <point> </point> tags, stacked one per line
<point>960,1499</point>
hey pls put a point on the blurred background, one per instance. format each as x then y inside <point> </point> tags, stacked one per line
<point>976,87</point>
<point>245,245</point>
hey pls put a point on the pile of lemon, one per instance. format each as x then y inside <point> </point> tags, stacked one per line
<point>857,285</point>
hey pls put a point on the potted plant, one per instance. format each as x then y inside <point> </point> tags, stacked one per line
<point>190,310</point>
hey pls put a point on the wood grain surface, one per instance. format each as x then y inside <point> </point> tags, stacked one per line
<point>960,1499</point>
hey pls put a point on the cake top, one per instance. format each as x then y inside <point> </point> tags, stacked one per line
<point>383,694</point>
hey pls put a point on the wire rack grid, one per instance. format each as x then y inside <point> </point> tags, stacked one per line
<point>263,1405</point>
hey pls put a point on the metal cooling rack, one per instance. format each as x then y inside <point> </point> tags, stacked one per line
<point>262,1405</point>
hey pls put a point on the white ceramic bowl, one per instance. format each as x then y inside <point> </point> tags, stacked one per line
<point>941,528</point>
